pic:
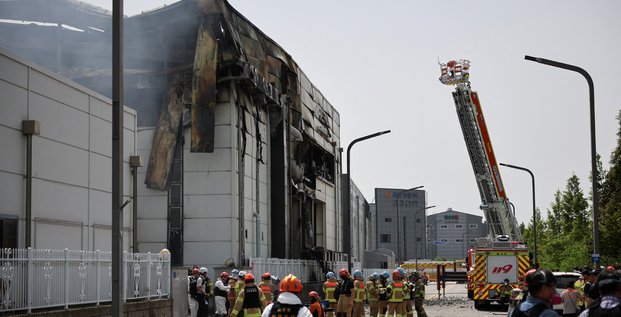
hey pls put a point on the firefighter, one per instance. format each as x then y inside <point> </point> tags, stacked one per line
<point>382,301</point>
<point>251,299</point>
<point>504,291</point>
<point>373,294</point>
<point>231,296</point>
<point>406,293</point>
<point>409,293</point>
<point>395,292</point>
<point>315,306</point>
<point>358,294</point>
<point>329,287</point>
<point>288,303</point>
<point>345,301</point>
<point>419,295</point>
<point>266,286</point>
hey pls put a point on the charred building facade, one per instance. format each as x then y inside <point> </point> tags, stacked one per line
<point>241,150</point>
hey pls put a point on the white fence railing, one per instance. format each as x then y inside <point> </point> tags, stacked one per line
<point>34,279</point>
<point>305,270</point>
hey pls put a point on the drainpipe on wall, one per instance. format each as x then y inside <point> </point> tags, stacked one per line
<point>29,128</point>
<point>135,162</point>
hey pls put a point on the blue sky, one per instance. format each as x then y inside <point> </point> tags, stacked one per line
<point>376,62</point>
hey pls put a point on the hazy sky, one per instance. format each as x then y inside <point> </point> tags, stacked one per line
<point>376,62</point>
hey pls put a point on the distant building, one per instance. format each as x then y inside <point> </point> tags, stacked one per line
<point>359,221</point>
<point>401,229</point>
<point>451,233</point>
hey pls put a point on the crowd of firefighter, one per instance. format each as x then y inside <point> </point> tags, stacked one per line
<point>237,294</point>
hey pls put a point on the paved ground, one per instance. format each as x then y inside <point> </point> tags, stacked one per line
<point>453,302</point>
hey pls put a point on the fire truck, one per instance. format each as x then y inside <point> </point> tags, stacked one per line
<point>501,255</point>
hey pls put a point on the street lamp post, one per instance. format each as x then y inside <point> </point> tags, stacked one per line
<point>594,176</point>
<point>347,211</point>
<point>415,242</point>
<point>430,228</point>
<point>532,176</point>
<point>399,257</point>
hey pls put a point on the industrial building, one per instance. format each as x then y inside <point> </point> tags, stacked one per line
<point>241,151</point>
<point>451,233</point>
<point>400,222</point>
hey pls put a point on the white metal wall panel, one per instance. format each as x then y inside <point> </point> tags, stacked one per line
<point>208,229</point>
<point>57,90</point>
<point>219,160</point>
<point>150,230</point>
<point>152,207</point>
<point>13,71</point>
<point>14,105</point>
<point>100,175</point>
<point>100,136</point>
<point>216,206</point>
<point>102,240</point>
<point>59,162</point>
<point>57,236</point>
<point>59,201</point>
<point>13,160</point>
<point>100,207</point>
<point>12,197</point>
<point>60,122</point>
<point>206,183</point>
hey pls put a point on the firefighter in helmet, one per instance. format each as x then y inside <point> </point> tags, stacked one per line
<point>250,299</point>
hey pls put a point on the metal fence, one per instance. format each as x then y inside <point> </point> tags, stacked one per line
<point>305,270</point>
<point>34,279</point>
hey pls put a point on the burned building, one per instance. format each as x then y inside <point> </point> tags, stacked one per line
<point>241,150</point>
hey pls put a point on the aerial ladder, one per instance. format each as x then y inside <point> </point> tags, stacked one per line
<point>502,254</point>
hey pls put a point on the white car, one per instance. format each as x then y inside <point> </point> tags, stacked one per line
<point>562,279</point>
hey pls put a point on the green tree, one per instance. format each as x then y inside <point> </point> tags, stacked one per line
<point>574,214</point>
<point>610,206</point>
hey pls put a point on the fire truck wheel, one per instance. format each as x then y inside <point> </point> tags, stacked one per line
<point>479,305</point>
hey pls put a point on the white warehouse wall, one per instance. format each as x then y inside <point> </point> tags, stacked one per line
<point>72,158</point>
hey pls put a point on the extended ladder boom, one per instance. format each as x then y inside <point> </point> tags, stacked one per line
<point>494,201</point>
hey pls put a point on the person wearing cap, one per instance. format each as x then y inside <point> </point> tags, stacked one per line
<point>419,295</point>
<point>266,286</point>
<point>345,301</point>
<point>250,299</point>
<point>382,302</point>
<point>204,290</point>
<point>221,292</point>
<point>232,282</point>
<point>329,289</point>
<point>192,291</point>
<point>315,306</point>
<point>541,287</point>
<point>609,285</point>
<point>591,289</point>
<point>373,294</point>
<point>358,294</point>
<point>288,303</point>
<point>396,293</point>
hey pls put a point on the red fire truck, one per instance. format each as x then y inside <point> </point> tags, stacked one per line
<point>501,255</point>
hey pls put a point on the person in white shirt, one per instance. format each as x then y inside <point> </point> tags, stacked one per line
<point>288,303</point>
<point>221,291</point>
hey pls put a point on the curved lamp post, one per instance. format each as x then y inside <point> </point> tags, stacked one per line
<point>415,243</point>
<point>347,211</point>
<point>594,175</point>
<point>532,176</point>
